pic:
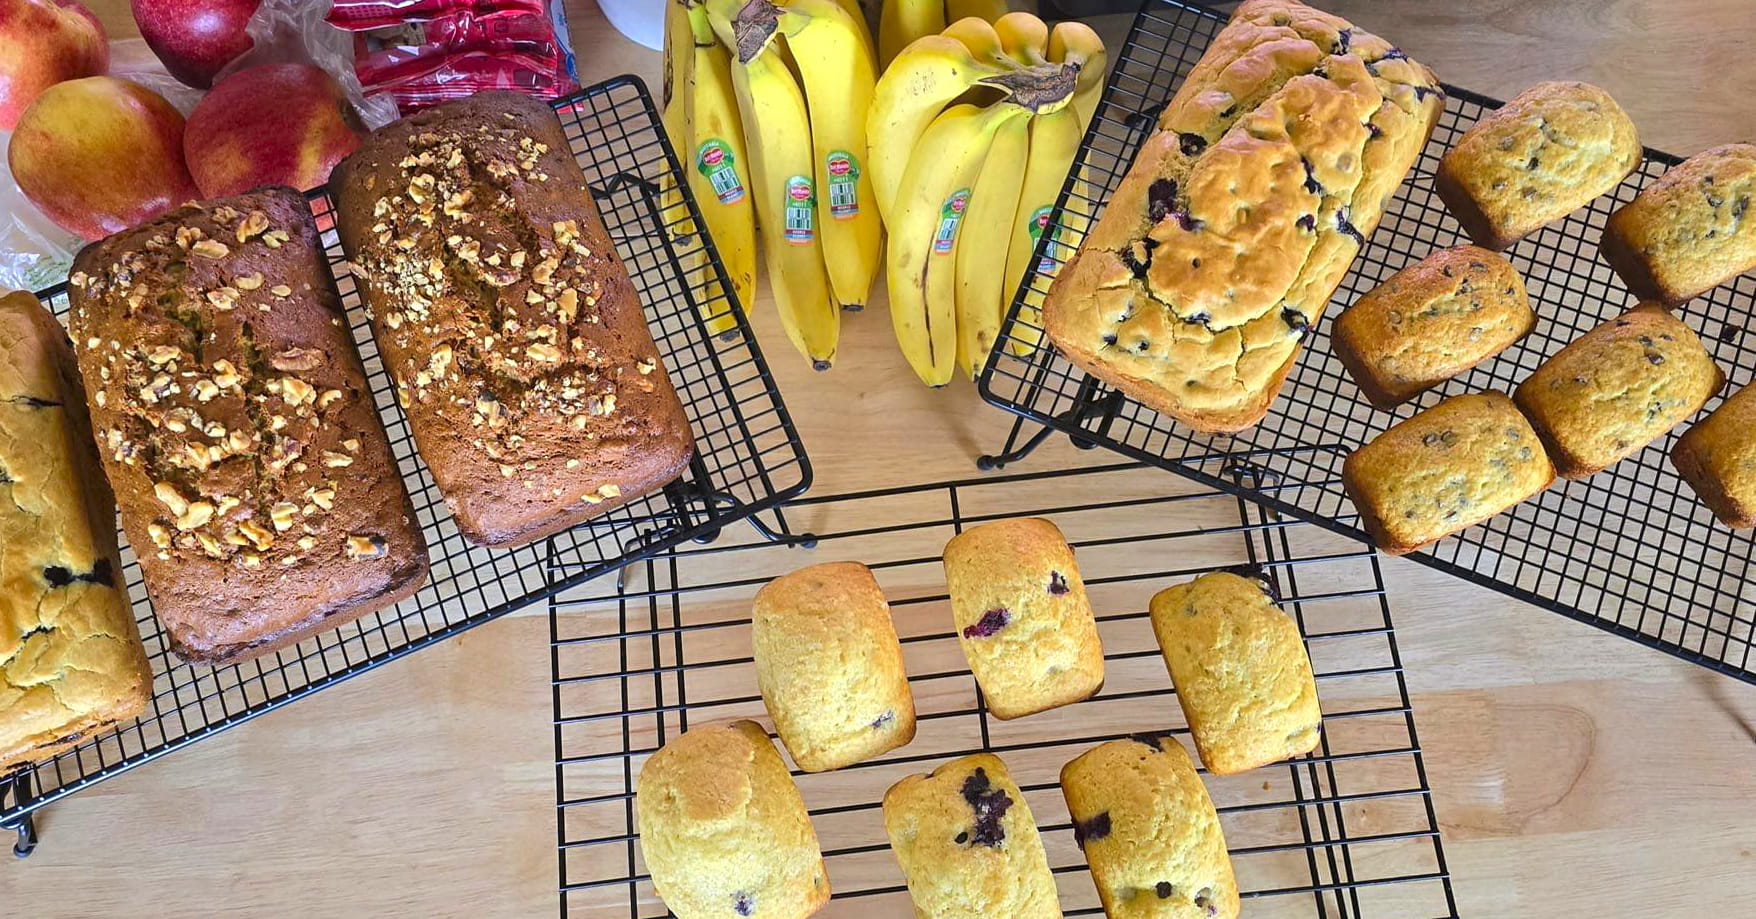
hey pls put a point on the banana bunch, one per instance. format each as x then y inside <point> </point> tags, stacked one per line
<point>965,188</point>
<point>902,21</point>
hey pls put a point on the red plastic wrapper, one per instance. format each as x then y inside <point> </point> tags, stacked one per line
<point>423,52</point>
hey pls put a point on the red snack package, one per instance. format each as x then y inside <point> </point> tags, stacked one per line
<point>423,52</point>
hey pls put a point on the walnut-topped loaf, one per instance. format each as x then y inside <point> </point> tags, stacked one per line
<point>236,427</point>
<point>514,335</point>
<point>1241,215</point>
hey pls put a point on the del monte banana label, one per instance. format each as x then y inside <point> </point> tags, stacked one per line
<point>844,185</point>
<point>950,217</point>
<point>1039,224</point>
<point>801,205</point>
<point>715,161</point>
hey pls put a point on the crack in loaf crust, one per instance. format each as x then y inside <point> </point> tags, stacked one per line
<point>511,329</point>
<point>1241,215</point>
<point>237,429</point>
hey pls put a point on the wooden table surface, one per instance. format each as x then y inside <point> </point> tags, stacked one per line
<point>1575,774</point>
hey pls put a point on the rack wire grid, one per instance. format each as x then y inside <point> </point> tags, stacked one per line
<point>748,461</point>
<point>1348,831</point>
<point>1629,550</point>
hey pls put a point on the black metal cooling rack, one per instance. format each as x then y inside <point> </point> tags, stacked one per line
<point>1629,550</point>
<point>1348,831</point>
<point>748,461</point>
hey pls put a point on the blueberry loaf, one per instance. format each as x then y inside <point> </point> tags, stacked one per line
<point>1717,457</point>
<point>514,336</point>
<point>71,663</point>
<point>237,429</point>
<point>967,844</point>
<point>1430,322</point>
<point>830,666</point>
<point>1538,158</point>
<point>1690,231</point>
<point>1240,216</point>
<point>1617,388</point>
<point>1149,832</point>
<point>1021,614</point>
<point>1240,669</point>
<point>723,830</point>
<point>1450,467</point>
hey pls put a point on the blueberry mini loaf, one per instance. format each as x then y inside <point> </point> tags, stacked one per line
<point>1450,467</point>
<point>1240,669</point>
<point>967,844</point>
<point>71,663</point>
<point>1021,614</point>
<point>1690,231</point>
<point>1222,245</point>
<point>1149,832</point>
<point>1430,322</point>
<point>1538,158</point>
<point>237,429</point>
<point>1617,388</point>
<point>830,666</point>
<point>511,329</point>
<point>723,829</point>
<point>1717,457</point>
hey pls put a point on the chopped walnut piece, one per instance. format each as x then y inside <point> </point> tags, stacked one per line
<point>225,376</point>
<point>336,460</point>
<point>645,365</point>
<point>282,515</point>
<point>324,498</point>
<point>163,354</point>
<point>223,298</point>
<point>248,282</point>
<point>252,225</point>
<point>171,498</point>
<point>274,238</point>
<point>160,536</point>
<point>307,543</point>
<point>361,546</point>
<point>297,360</point>
<point>543,351</point>
<point>194,515</point>
<point>281,290</point>
<point>328,397</point>
<point>258,534</point>
<point>210,248</point>
<point>297,391</point>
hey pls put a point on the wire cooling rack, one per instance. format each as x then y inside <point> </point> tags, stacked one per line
<point>748,460</point>
<point>1348,831</point>
<point>1629,550</point>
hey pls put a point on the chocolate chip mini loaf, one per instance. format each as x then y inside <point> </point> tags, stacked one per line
<point>1021,614</point>
<point>1240,669</point>
<point>723,830</point>
<point>1617,388</point>
<point>830,666</point>
<point>1538,158</point>
<point>967,844</point>
<point>1690,231</point>
<point>1149,831</point>
<point>1430,322</point>
<point>515,338</point>
<point>237,429</point>
<point>1450,467</point>
<point>1717,457</point>
<point>1222,246</point>
<point>71,663</point>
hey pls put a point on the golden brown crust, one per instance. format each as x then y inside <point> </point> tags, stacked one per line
<point>1717,457</point>
<point>1690,231</point>
<point>506,319</point>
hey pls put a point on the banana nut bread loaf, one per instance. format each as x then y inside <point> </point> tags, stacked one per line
<point>1717,457</point>
<point>237,428</point>
<point>1690,231</point>
<point>506,319</point>
<point>71,662</point>
<point>1430,322</point>
<point>1538,158</point>
<point>1240,216</point>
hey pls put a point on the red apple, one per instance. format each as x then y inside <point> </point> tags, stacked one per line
<point>195,38</point>
<point>278,124</point>
<point>46,42</point>
<point>99,155</point>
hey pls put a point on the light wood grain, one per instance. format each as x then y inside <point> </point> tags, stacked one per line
<point>1575,774</point>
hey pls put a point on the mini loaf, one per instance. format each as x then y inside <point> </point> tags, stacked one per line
<point>511,329</point>
<point>830,666</point>
<point>1430,322</point>
<point>1450,467</point>
<point>1021,614</point>
<point>723,829</point>
<point>1690,231</point>
<point>967,844</point>
<point>1540,157</point>
<point>1149,832</point>
<point>1618,388</point>
<point>1223,244</point>
<point>237,429</point>
<point>71,663</point>
<point>1717,457</point>
<point>1240,669</point>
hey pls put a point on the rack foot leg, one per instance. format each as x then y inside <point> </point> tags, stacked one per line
<point>26,843</point>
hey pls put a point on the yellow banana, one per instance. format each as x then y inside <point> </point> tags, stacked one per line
<point>982,243</point>
<point>989,10</point>
<point>983,42</point>
<point>716,164</point>
<point>777,133</point>
<point>903,21</point>
<point>1075,43</point>
<point>679,58</point>
<point>1024,37</point>
<point>920,261</point>
<point>1054,141</point>
<point>835,67</point>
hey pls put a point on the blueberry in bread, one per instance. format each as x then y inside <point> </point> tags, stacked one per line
<point>1690,231</point>
<point>1717,457</point>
